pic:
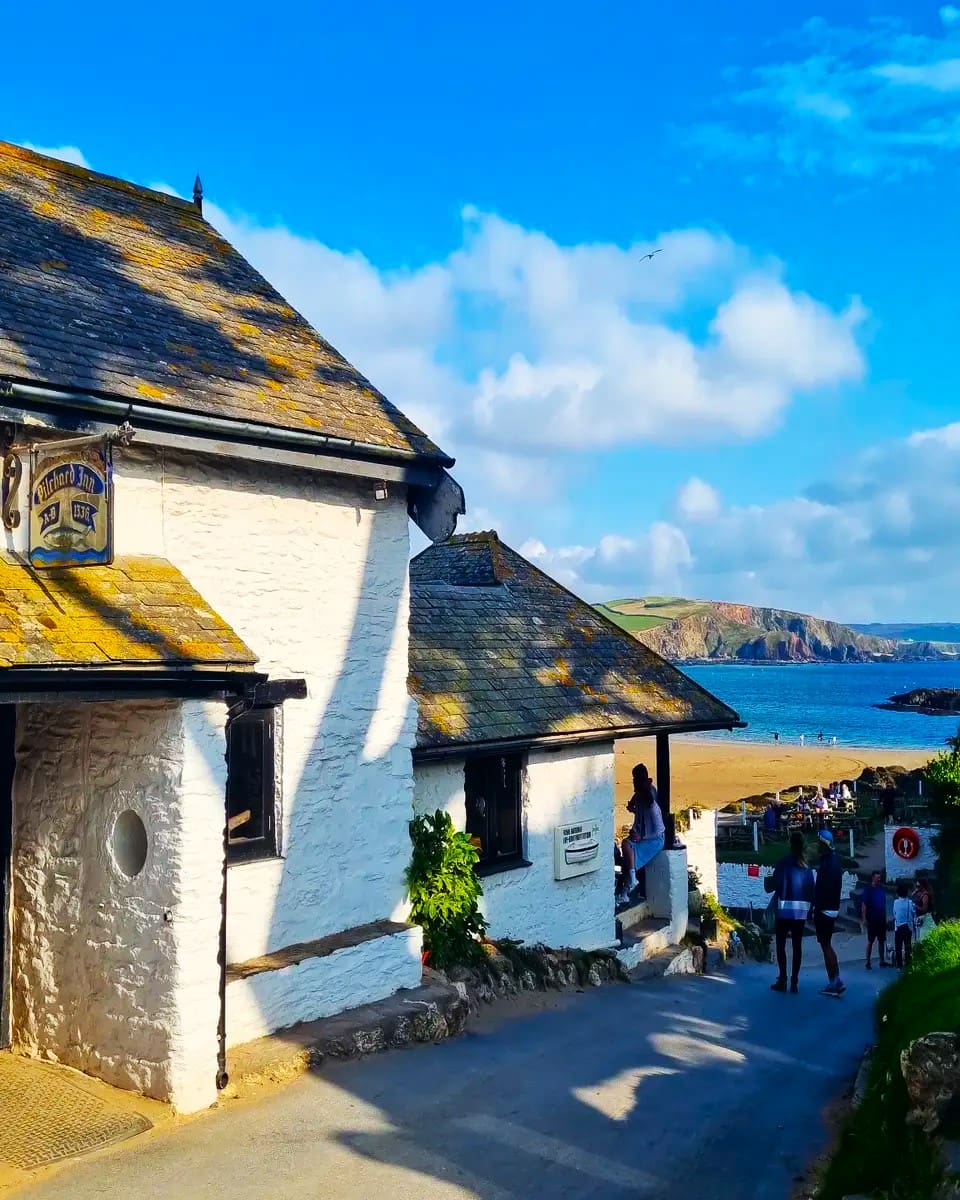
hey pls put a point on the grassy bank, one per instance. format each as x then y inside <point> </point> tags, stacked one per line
<point>877,1153</point>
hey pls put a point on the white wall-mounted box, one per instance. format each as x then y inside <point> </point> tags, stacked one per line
<point>576,848</point>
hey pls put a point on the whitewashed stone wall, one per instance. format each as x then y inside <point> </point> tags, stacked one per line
<point>312,573</point>
<point>738,888</point>
<point>528,903</point>
<point>902,868</point>
<point>667,891</point>
<point>324,986</point>
<point>113,975</point>
<point>701,842</point>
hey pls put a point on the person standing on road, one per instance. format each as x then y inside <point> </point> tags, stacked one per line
<point>792,883</point>
<point>923,898</point>
<point>904,919</point>
<point>826,909</point>
<point>873,913</point>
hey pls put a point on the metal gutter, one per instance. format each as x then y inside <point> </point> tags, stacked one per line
<point>559,741</point>
<point>55,684</point>
<point>151,419</point>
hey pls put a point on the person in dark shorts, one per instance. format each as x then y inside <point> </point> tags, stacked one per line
<point>792,883</point>
<point>826,909</point>
<point>873,913</point>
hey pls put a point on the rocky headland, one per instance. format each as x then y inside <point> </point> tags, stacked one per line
<point>934,702</point>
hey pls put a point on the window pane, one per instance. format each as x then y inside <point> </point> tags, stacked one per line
<point>248,776</point>
<point>508,807</point>
<point>476,778</point>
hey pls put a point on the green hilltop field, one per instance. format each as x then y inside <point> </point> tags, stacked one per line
<point>706,630</point>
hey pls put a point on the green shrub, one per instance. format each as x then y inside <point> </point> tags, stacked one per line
<point>877,1153</point>
<point>939,950</point>
<point>943,782</point>
<point>444,891</point>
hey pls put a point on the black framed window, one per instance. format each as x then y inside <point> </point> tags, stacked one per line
<point>494,808</point>
<point>251,786</point>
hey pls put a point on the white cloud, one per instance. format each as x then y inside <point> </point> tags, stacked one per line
<point>697,501</point>
<point>70,154</point>
<point>856,101</point>
<point>565,348</point>
<point>942,76</point>
<point>881,539</point>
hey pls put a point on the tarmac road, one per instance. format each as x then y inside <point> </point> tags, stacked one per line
<point>707,1088</point>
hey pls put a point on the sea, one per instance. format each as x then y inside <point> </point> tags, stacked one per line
<point>835,699</point>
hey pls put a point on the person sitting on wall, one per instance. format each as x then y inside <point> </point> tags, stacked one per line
<point>647,835</point>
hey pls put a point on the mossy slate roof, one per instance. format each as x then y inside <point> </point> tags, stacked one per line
<point>140,611</point>
<point>500,651</point>
<point>115,289</point>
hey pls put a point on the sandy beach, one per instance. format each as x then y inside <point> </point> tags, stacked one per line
<point>710,774</point>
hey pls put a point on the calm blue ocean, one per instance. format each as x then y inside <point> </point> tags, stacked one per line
<point>835,698</point>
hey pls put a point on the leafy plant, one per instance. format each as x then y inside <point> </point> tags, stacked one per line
<point>877,1152</point>
<point>943,783</point>
<point>444,891</point>
<point>694,880</point>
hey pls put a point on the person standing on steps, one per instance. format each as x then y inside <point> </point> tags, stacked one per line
<point>646,838</point>
<point>904,919</point>
<point>826,909</point>
<point>873,913</point>
<point>792,883</point>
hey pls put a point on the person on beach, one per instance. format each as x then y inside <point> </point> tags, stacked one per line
<point>826,909</point>
<point>923,899</point>
<point>803,738</point>
<point>904,920</point>
<point>776,735</point>
<point>873,913</point>
<point>792,882</point>
<point>646,838</point>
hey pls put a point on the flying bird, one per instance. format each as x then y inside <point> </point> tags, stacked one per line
<point>644,257</point>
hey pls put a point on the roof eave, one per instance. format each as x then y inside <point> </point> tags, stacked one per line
<point>88,412</point>
<point>64,685</point>
<point>561,740</point>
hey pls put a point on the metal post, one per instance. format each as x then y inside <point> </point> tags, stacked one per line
<point>756,839</point>
<point>851,843</point>
<point>743,812</point>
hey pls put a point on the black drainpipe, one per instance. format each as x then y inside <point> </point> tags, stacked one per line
<point>240,705</point>
<point>222,1077</point>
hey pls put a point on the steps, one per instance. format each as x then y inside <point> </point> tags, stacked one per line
<point>645,938</point>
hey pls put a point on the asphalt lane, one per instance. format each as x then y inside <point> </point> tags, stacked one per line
<point>708,1086</point>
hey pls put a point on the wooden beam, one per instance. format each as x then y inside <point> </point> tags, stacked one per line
<point>663,787</point>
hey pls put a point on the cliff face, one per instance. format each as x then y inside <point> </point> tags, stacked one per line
<point>739,632</point>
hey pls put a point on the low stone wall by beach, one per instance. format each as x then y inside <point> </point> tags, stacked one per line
<point>739,889</point>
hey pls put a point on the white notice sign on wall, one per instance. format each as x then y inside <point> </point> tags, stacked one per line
<point>576,848</point>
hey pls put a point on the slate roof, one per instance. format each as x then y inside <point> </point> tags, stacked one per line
<point>500,651</point>
<point>140,611</point>
<point>115,289</point>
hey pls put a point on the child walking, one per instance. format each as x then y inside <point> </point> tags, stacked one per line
<point>904,919</point>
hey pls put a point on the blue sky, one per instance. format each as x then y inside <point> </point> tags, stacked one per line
<point>459,200</point>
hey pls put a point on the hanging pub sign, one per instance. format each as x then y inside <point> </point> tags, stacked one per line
<point>71,504</point>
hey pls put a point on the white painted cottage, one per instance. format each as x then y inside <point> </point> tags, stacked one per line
<point>205,726</point>
<point>523,689</point>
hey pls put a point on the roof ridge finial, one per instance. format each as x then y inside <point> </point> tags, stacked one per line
<point>198,193</point>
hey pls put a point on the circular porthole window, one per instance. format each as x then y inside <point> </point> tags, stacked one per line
<point>129,843</point>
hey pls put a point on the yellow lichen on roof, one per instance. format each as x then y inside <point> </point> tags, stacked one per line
<point>81,251</point>
<point>140,610</point>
